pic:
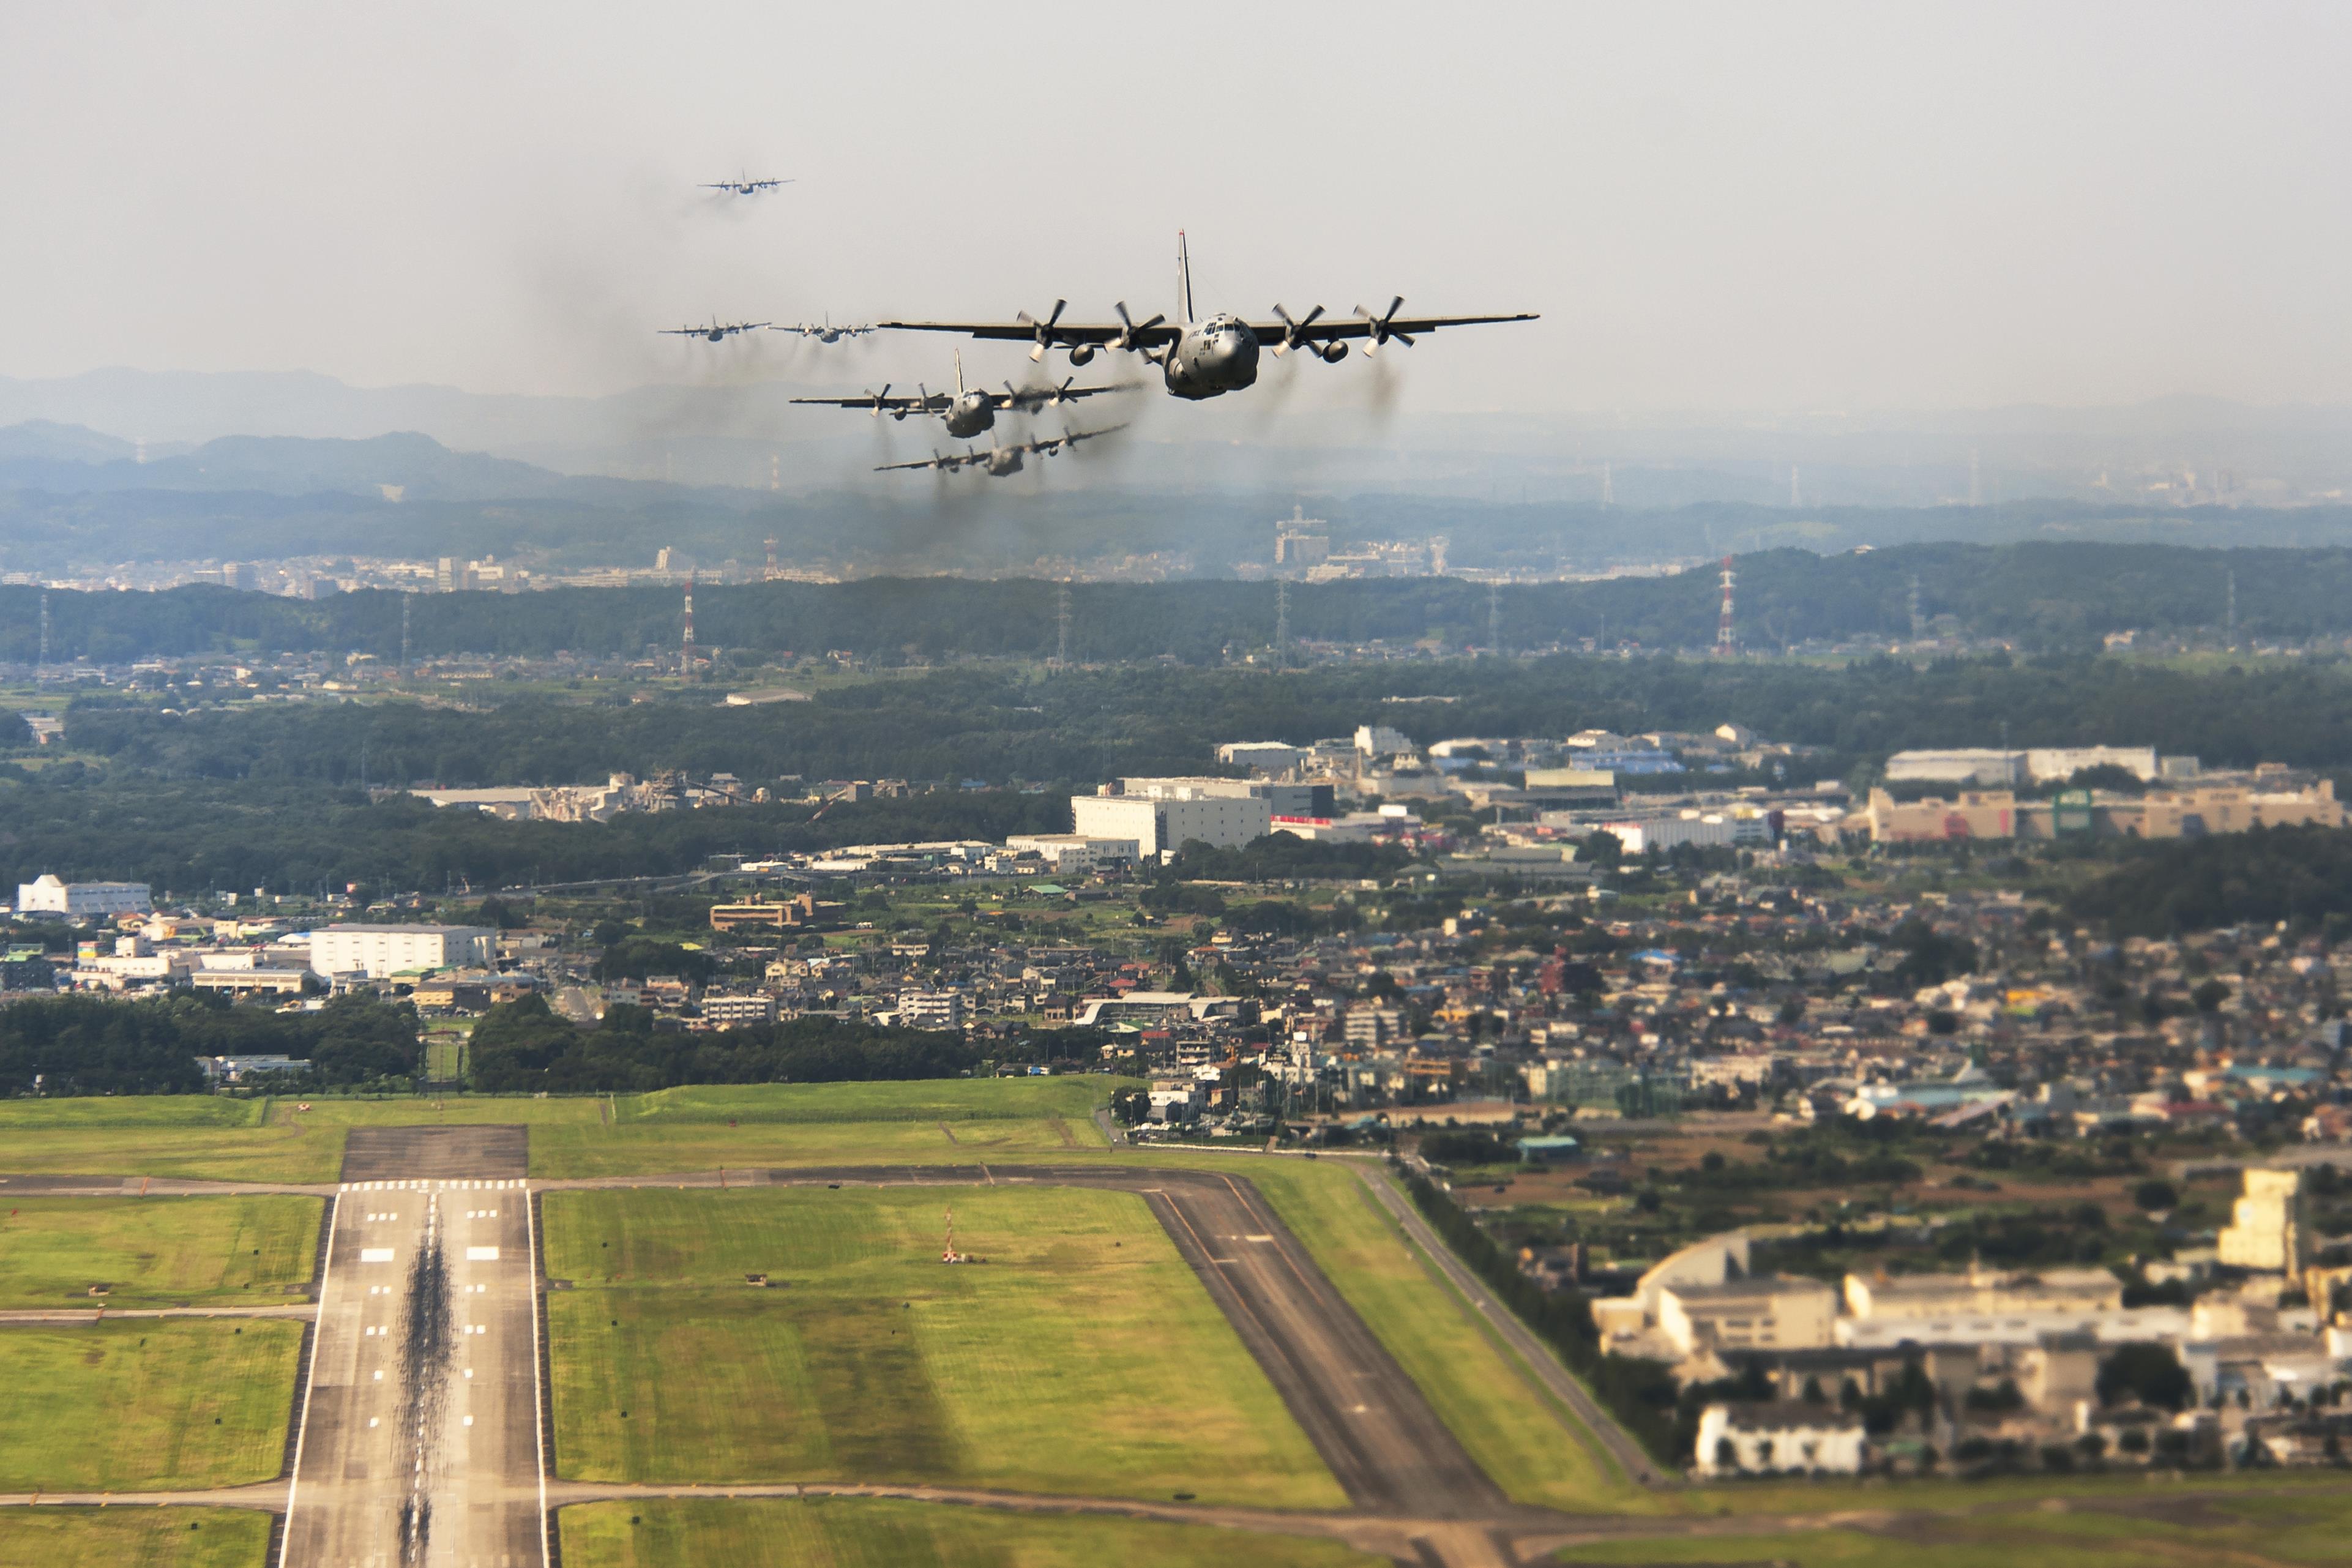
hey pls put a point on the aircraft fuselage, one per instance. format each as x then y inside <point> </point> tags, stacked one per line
<point>970,414</point>
<point>1003,460</point>
<point>1213,357</point>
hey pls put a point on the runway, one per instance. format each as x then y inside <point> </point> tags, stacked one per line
<point>418,1439</point>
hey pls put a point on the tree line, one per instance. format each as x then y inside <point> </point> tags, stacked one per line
<point>2043,595</point>
<point>92,1044</point>
<point>524,1046</point>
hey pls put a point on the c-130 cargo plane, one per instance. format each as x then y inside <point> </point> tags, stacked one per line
<point>1200,359</point>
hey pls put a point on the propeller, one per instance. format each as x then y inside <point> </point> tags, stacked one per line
<point>1294,333</point>
<point>880,397</point>
<point>1061,394</point>
<point>1382,330</point>
<point>1128,327</point>
<point>1044,328</point>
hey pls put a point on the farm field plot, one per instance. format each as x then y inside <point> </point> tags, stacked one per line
<point>156,1252</point>
<point>135,1405</point>
<point>1083,1357</point>
<point>857,1532</point>
<point>133,1538</point>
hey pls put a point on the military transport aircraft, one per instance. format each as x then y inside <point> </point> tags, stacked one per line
<point>1200,359</point>
<point>716,332</point>
<point>745,185</point>
<point>826,332</point>
<point>998,461</point>
<point>969,411</point>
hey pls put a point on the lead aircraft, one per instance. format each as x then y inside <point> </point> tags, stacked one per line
<point>1200,359</point>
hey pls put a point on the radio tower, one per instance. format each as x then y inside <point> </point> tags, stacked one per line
<point>1061,627</point>
<point>41,670</point>
<point>1495,617</point>
<point>1796,496</point>
<point>1919,624</point>
<point>404,599</point>
<point>2231,643</point>
<point>685,649</point>
<point>1608,485</point>
<point>1724,643</point>
<point>771,560</point>
<point>1281,623</point>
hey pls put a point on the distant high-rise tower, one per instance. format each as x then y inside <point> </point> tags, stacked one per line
<point>686,648</point>
<point>43,667</point>
<point>1608,485</point>
<point>771,560</point>
<point>1796,496</point>
<point>1061,627</point>
<point>1495,617</point>
<point>1975,479</point>
<point>406,599</point>
<point>1281,623</point>
<point>1919,624</point>
<point>1724,643</point>
<point>2231,642</point>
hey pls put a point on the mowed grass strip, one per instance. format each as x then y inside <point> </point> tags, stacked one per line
<point>861,1533</point>
<point>134,1537</point>
<point>658,1148</point>
<point>189,1136</point>
<point>145,1405</point>
<point>925,1099</point>
<point>2305,1527</point>
<point>152,1252</point>
<point>1083,1357</point>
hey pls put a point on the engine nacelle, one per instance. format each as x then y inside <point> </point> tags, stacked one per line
<point>1333,352</point>
<point>1081,353</point>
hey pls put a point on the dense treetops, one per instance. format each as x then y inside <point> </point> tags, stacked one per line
<point>92,1044</point>
<point>524,1048</point>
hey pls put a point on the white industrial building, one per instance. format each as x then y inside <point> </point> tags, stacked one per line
<point>381,951</point>
<point>2048,763</point>
<point>1228,822</point>
<point>49,896</point>
<point>1765,1439</point>
<point>1075,854</point>
<point>1989,768</point>
<point>1265,756</point>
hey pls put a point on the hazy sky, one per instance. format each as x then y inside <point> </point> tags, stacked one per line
<point>1775,206</point>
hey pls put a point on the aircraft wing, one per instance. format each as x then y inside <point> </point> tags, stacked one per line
<point>1324,329</point>
<point>935,403</point>
<point>1071,438</point>
<point>953,460</point>
<point>1064,333</point>
<point>1030,398</point>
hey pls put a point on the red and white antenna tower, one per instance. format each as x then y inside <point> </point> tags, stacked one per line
<point>686,648</point>
<point>1724,643</point>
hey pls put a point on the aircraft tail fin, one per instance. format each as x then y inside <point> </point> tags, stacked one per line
<point>1183,281</point>
<point>959,356</point>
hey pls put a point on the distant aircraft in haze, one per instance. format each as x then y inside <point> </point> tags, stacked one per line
<point>998,461</point>
<point>1200,359</point>
<point>745,185</point>
<point>716,331</point>
<point>969,411</point>
<point>826,332</point>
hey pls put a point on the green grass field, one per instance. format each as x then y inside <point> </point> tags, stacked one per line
<point>934,1099</point>
<point>2141,1526</point>
<point>1084,1357</point>
<point>867,1532</point>
<point>129,1406</point>
<point>133,1538</point>
<point>557,1152</point>
<point>156,1252</point>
